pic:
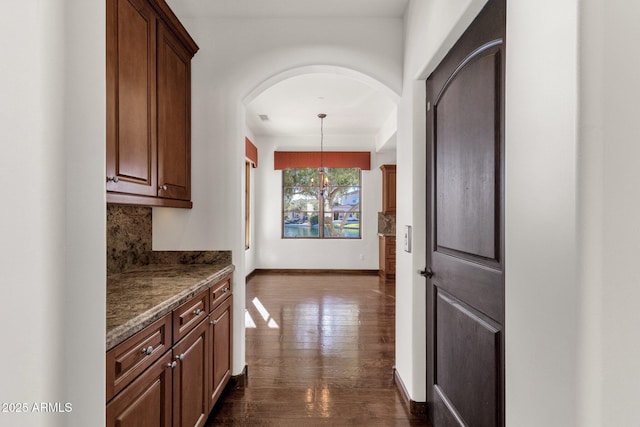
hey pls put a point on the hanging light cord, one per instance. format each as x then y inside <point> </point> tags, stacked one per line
<point>322,177</point>
<point>322,116</point>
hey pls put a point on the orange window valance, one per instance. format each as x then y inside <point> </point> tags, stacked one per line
<point>251,152</point>
<point>330,159</point>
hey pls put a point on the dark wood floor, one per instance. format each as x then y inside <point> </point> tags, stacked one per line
<point>321,353</point>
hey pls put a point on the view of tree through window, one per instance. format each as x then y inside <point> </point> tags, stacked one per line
<point>307,214</point>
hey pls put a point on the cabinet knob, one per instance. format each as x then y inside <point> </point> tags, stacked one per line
<point>214,322</point>
<point>180,357</point>
<point>197,312</point>
<point>225,290</point>
<point>147,350</point>
<point>172,365</point>
<point>113,179</point>
<point>163,187</point>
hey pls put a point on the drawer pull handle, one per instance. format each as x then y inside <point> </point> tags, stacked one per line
<point>197,312</point>
<point>225,290</point>
<point>113,179</point>
<point>163,187</point>
<point>147,350</point>
<point>172,365</point>
<point>180,357</point>
<point>214,322</point>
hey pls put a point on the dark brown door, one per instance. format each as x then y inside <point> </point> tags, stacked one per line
<point>465,207</point>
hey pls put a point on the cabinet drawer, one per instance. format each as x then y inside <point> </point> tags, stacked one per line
<point>219,292</point>
<point>189,314</point>
<point>128,359</point>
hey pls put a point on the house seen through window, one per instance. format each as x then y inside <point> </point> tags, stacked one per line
<point>309,212</point>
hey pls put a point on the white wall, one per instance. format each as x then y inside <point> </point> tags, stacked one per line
<point>275,252</point>
<point>609,210</point>
<point>542,288</point>
<point>52,221</point>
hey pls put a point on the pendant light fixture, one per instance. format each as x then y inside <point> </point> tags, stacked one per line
<point>324,180</point>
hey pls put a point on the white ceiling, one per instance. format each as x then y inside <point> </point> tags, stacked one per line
<point>292,105</point>
<point>288,8</point>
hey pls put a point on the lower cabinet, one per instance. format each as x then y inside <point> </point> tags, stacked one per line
<point>191,378</point>
<point>180,388</point>
<point>221,330</point>
<point>387,251</point>
<point>147,400</point>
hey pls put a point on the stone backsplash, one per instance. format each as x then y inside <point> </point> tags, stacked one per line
<point>386,224</point>
<point>129,242</point>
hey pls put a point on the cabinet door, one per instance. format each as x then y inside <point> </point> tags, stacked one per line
<point>174,117</point>
<point>388,189</point>
<point>146,402</point>
<point>131,97</point>
<point>221,349</point>
<point>190,385</point>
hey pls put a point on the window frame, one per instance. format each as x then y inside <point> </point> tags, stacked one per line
<point>321,209</point>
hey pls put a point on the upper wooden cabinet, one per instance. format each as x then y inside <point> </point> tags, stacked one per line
<point>388,189</point>
<point>148,105</point>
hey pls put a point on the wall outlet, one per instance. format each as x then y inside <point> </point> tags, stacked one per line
<point>361,257</point>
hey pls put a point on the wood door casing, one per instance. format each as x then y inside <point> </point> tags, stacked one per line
<point>465,222</point>
<point>131,97</point>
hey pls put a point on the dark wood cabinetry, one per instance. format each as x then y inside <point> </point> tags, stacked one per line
<point>174,120</point>
<point>191,378</point>
<point>221,332</point>
<point>388,189</point>
<point>148,105</point>
<point>387,253</point>
<point>171,373</point>
<point>147,401</point>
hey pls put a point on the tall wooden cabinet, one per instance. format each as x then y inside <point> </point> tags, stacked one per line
<point>148,105</point>
<point>388,189</point>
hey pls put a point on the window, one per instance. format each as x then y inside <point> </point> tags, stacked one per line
<point>307,213</point>
<point>247,205</point>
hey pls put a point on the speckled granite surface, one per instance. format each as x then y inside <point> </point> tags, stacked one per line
<point>386,224</point>
<point>137,298</point>
<point>144,285</point>
<point>129,237</point>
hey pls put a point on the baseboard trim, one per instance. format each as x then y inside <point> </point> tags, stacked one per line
<point>319,271</point>
<point>416,408</point>
<point>241,380</point>
<point>250,275</point>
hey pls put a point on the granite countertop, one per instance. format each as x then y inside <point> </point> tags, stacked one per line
<point>137,298</point>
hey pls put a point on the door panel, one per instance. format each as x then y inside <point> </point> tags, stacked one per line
<point>467,145</point>
<point>174,106</point>
<point>468,354</point>
<point>131,101</point>
<point>465,205</point>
